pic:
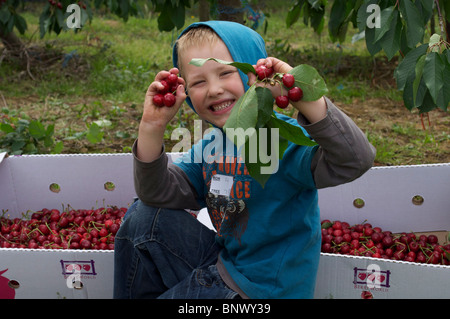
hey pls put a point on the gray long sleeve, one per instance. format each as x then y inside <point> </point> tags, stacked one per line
<point>161,184</point>
<point>344,153</point>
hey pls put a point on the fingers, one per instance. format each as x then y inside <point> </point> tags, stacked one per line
<point>277,65</point>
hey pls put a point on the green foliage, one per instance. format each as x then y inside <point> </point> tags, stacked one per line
<point>23,136</point>
<point>425,70</point>
<point>424,76</point>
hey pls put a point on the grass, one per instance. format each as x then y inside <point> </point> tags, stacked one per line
<point>110,64</point>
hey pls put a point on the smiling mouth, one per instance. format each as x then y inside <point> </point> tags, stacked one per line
<point>221,106</point>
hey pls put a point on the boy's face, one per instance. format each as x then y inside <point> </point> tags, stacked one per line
<point>213,88</point>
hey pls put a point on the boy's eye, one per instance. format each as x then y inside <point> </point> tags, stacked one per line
<point>227,72</point>
<point>197,83</point>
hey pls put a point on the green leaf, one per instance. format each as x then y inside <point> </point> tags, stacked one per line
<point>414,24</point>
<point>265,106</point>
<point>20,23</point>
<point>310,81</point>
<point>257,169</point>
<point>433,74</point>
<point>362,14</point>
<point>291,132</point>
<point>338,15</point>
<point>57,149</point>
<point>294,13</point>
<point>7,128</point>
<point>446,89</point>
<point>177,16</point>
<point>425,7</point>
<point>37,129</point>
<point>244,67</point>
<point>4,14</point>
<point>372,46</point>
<point>390,42</point>
<point>427,104</point>
<point>164,21</point>
<point>243,116</point>
<point>408,93</point>
<point>418,80</point>
<point>387,15</point>
<point>434,39</point>
<point>44,22</point>
<point>408,64</point>
<point>94,134</point>
<point>326,225</point>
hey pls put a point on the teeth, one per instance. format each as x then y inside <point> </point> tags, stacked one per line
<point>222,106</point>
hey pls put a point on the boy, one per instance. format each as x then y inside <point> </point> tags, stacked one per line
<point>267,240</point>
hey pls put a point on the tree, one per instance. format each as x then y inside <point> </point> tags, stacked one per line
<point>394,27</point>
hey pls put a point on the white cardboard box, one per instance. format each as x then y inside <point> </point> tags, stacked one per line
<point>387,193</point>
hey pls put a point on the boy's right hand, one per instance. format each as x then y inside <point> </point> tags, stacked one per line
<point>155,118</point>
<point>160,116</point>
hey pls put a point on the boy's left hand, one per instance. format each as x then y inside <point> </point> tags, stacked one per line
<point>314,111</point>
<point>278,67</point>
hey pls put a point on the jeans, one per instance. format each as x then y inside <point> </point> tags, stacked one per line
<point>166,253</point>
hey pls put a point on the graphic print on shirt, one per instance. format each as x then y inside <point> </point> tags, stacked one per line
<point>229,214</point>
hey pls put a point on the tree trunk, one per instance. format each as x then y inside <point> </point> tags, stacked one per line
<point>230,10</point>
<point>10,40</point>
<point>203,10</point>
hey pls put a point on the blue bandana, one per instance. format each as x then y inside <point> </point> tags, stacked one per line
<point>245,45</point>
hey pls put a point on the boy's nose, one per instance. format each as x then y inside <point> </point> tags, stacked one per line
<point>215,88</point>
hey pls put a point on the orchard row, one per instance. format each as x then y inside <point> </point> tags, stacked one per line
<point>367,241</point>
<point>71,229</point>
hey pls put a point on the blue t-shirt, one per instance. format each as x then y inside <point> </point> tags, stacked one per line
<point>271,236</point>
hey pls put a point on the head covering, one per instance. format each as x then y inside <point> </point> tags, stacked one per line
<point>245,45</point>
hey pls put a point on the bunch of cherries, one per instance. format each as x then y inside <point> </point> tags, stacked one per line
<point>294,93</point>
<point>70,229</point>
<point>365,240</point>
<point>166,96</point>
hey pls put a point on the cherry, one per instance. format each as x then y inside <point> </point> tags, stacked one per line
<point>295,94</point>
<point>172,79</point>
<point>338,232</point>
<point>85,243</point>
<point>263,72</point>
<point>158,99</point>
<point>166,87</point>
<point>376,237</point>
<point>387,241</point>
<point>288,80</point>
<point>103,232</point>
<point>169,99</point>
<point>114,228</point>
<point>413,246</point>
<point>43,228</point>
<point>345,248</point>
<point>432,239</point>
<point>347,237</point>
<point>282,101</point>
